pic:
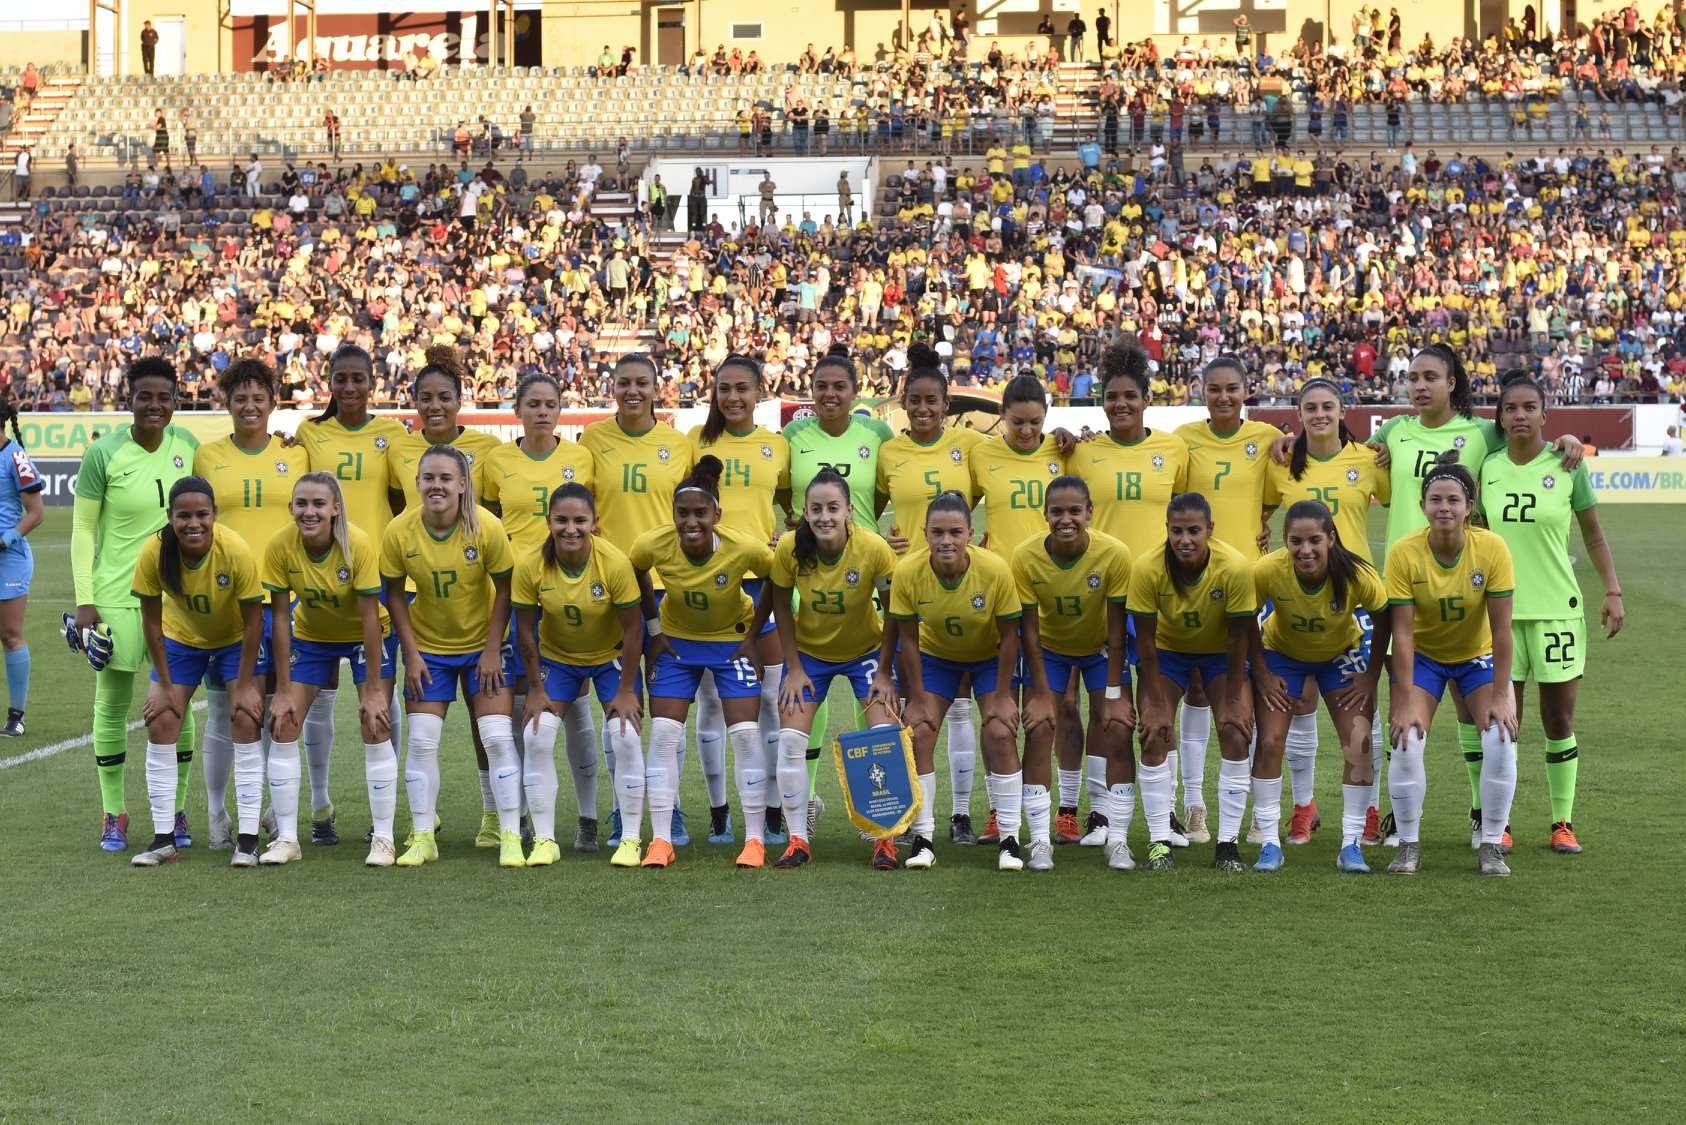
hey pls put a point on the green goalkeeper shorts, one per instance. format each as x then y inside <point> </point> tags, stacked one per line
<point>128,639</point>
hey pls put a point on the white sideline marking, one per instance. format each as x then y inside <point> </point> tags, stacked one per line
<point>73,743</point>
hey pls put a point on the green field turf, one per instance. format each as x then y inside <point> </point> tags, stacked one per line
<point>329,992</point>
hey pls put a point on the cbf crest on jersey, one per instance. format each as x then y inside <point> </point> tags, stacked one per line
<point>1158,461</point>
<point>1478,579</point>
<point>568,473</point>
<point>1218,594</point>
<point>1548,482</point>
<point>720,581</point>
<point>767,452</point>
<point>663,453</point>
<point>343,574</point>
<point>597,591</point>
<point>1094,582</point>
<point>380,443</point>
<point>1352,476</point>
<point>864,452</point>
<point>1251,449</point>
<point>281,467</point>
<point>180,464</point>
<point>470,553</point>
<point>956,456</point>
<point>222,580</point>
<point>1459,442</point>
<point>1053,468</point>
<point>851,577</point>
<point>977,601</point>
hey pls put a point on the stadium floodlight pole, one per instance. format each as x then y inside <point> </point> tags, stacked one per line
<point>95,7</point>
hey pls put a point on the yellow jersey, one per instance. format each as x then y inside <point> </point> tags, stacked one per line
<point>1196,619</point>
<point>757,466</point>
<point>357,457</point>
<point>1071,598</point>
<point>1131,484</point>
<point>635,476</point>
<point>705,600</point>
<point>253,490</point>
<point>579,620</point>
<point>1012,487</point>
<point>405,459</point>
<point>1307,625</point>
<point>1229,470</point>
<point>327,587</point>
<point>1451,601</point>
<point>453,576</point>
<point>206,614</point>
<point>958,622</point>
<point>838,619</point>
<point>912,474</point>
<point>521,484</point>
<point>1345,483</point>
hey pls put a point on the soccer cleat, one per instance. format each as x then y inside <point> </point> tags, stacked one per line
<point>1066,830</point>
<point>528,836</point>
<point>114,832</point>
<point>677,832</point>
<point>244,858</point>
<point>1255,834</point>
<point>924,855</point>
<point>1118,856</point>
<point>509,849</point>
<point>544,853</point>
<point>1505,842</point>
<point>280,853</point>
<point>424,848</point>
<point>1227,858</point>
<point>585,836</point>
<point>661,854</point>
<point>960,830</point>
<point>1270,858</point>
<point>1489,860</point>
<point>1196,830</point>
<point>14,724</point>
<point>1372,836</point>
<point>381,852</point>
<point>1041,856</point>
<point>184,835</point>
<point>884,856</point>
<point>720,826</point>
<point>156,855</point>
<point>992,831</point>
<point>1351,860</point>
<point>1409,861</point>
<point>754,854</point>
<point>614,840</point>
<point>1563,839</point>
<point>1159,857</point>
<point>816,809</point>
<point>1303,823</point>
<point>220,830</point>
<point>489,835</point>
<point>408,840</point>
<point>628,853</point>
<point>1011,856</point>
<point>322,831</point>
<point>1176,839</point>
<point>1094,831</point>
<point>267,825</point>
<point>796,855</point>
<point>1388,830</point>
<point>773,834</point>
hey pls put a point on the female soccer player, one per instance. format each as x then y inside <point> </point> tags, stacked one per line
<point>577,616</point>
<point>1529,499</point>
<point>757,469</point>
<point>836,568</point>
<point>20,513</point>
<point>703,627</point>
<point>1313,643</point>
<point>1194,607</point>
<point>121,500</point>
<point>1072,585</point>
<point>637,462</point>
<point>333,570</point>
<point>201,608</point>
<point>457,555</point>
<point>1449,588</point>
<point>955,613</point>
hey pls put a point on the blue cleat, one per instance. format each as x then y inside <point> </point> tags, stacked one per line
<point>184,838</point>
<point>1270,858</point>
<point>773,837</point>
<point>1351,860</point>
<point>719,827</point>
<point>114,833</point>
<point>615,829</point>
<point>678,836</point>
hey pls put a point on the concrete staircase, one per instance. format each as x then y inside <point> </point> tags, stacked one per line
<point>56,93</point>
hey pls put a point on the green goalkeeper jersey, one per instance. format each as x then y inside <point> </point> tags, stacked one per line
<point>1531,507</point>
<point>1414,449</point>
<point>132,488</point>
<point>853,454</point>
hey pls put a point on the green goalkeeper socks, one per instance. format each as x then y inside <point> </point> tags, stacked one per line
<point>112,692</point>
<point>1563,760</point>
<point>1469,738</point>
<point>184,758</point>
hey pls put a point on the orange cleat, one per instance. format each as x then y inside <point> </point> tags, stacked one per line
<point>796,855</point>
<point>1563,839</point>
<point>1372,837</point>
<point>754,853</point>
<point>884,856</point>
<point>659,855</point>
<point>1066,828</point>
<point>991,832</point>
<point>1303,823</point>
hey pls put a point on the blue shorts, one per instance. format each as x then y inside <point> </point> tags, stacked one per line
<point>565,682</point>
<point>446,674</point>
<point>1431,675</point>
<point>942,677</point>
<point>314,662</point>
<point>679,673</point>
<point>1130,660</point>
<point>189,665</point>
<point>1331,675</point>
<point>513,669</point>
<point>1093,669</point>
<point>859,672</point>
<point>17,568</point>
<point>1179,665</point>
<point>753,587</point>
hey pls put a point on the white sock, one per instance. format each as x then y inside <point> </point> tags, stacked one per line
<point>264,737</point>
<point>1267,808</point>
<point>609,756</point>
<point>395,716</point>
<point>538,773</point>
<point>1301,755</point>
<point>1009,803</point>
<point>1037,802</point>
<point>497,734</point>
<point>1174,760</point>
<point>628,783</point>
<point>1378,755</point>
<point>1498,782</point>
<point>518,706</point>
<point>1158,791</point>
<point>661,776</point>
<point>1071,787</point>
<point>925,824</point>
<point>793,781</point>
<point>248,788</point>
<point>711,741</point>
<point>579,739</point>
<point>421,768</point>
<point>1407,786</point>
<point>216,751</point>
<point>1120,810</point>
<point>319,745</point>
<point>488,801</point>
<point>284,788</point>
<point>1095,783</point>
<point>380,771</point>
<point>1234,783</point>
<point>769,725</point>
<point>962,755</point>
<point>1355,807</point>
<point>161,785</point>
<point>1195,725</point>
<point>751,778</point>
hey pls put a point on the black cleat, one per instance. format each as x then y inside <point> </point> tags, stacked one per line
<point>14,724</point>
<point>323,833</point>
<point>960,830</point>
<point>1228,858</point>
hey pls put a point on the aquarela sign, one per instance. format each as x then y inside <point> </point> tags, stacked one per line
<point>381,40</point>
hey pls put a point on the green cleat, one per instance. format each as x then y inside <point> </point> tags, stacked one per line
<point>424,848</point>
<point>509,850</point>
<point>544,853</point>
<point>488,836</point>
<point>629,854</point>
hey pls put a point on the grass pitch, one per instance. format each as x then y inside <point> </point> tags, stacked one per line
<point>329,992</point>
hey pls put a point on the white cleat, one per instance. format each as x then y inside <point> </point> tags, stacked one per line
<point>1096,836</point>
<point>1118,856</point>
<point>281,852</point>
<point>382,852</point>
<point>1041,857</point>
<point>153,857</point>
<point>1255,835</point>
<point>1194,827</point>
<point>924,855</point>
<point>1011,858</point>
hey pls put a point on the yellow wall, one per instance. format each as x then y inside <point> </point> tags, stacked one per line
<point>42,48</point>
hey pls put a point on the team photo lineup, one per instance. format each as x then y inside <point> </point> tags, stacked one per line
<point>744,569</point>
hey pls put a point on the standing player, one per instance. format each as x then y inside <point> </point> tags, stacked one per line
<point>20,513</point>
<point>1449,588</point>
<point>1529,499</point>
<point>122,498</point>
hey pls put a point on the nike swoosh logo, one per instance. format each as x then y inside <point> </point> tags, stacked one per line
<point>411,554</point>
<point>1419,582</point>
<point>605,452</point>
<point>924,601</point>
<point>505,776</point>
<point>130,473</point>
<point>378,788</point>
<point>506,476</point>
<point>218,468</point>
<point>995,468</point>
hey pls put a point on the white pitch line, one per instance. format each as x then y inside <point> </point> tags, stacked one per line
<point>77,743</point>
